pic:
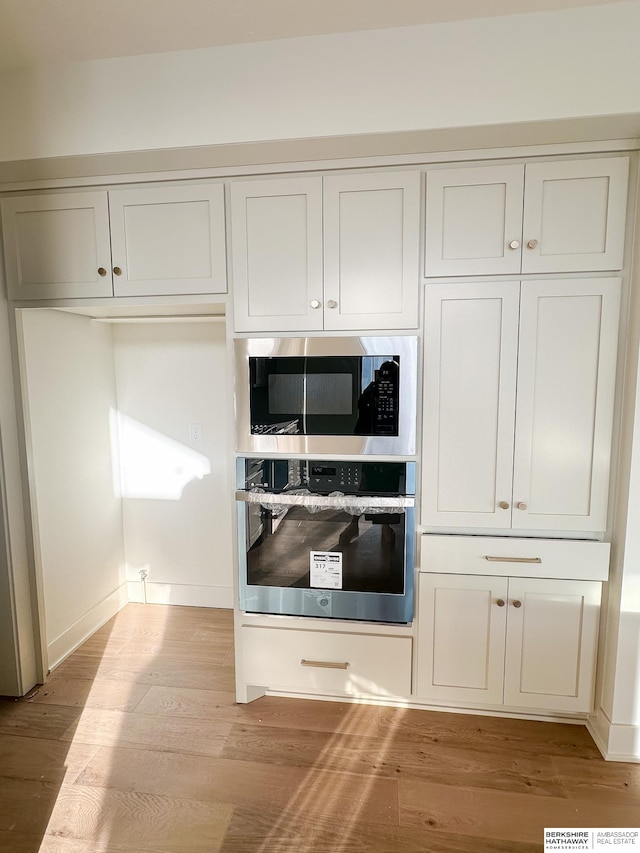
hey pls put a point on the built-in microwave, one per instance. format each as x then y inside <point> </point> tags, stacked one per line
<point>346,395</point>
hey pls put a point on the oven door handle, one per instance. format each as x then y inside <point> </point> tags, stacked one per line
<point>358,501</point>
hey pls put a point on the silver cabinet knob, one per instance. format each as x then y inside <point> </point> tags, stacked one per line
<point>521,505</point>
<point>315,304</point>
<point>503,505</point>
<point>332,303</point>
<point>514,244</point>
<point>532,244</point>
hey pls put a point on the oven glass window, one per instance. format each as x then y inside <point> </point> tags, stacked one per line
<point>314,393</point>
<point>327,549</point>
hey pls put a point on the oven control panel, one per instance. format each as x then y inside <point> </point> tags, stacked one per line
<point>335,477</point>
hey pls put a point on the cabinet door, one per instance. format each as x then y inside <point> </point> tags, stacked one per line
<point>470,350</point>
<point>474,220</point>
<point>566,384</point>
<point>276,246</point>
<point>552,631</point>
<point>461,638</point>
<point>168,240</point>
<point>57,246</point>
<point>574,215</point>
<point>371,250</point>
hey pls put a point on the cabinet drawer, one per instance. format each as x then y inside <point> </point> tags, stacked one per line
<point>495,555</point>
<point>353,664</point>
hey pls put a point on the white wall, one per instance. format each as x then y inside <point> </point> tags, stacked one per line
<point>70,394</point>
<point>176,488</point>
<point>571,63</point>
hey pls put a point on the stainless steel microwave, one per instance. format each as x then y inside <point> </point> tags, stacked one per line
<point>338,395</point>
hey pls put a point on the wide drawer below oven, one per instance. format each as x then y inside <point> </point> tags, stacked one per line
<point>496,555</point>
<point>328,662</point>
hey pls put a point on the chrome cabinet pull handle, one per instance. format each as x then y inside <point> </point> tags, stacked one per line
<point>513,559</point>
<point>325,664</point>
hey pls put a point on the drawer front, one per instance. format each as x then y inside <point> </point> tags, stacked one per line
<point>505,556</point>
<point>352,664</point>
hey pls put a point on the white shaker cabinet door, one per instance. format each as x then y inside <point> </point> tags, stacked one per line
<point>474,220</point>
<point>470,352</point>
<point>574,215</point>
<point>566,385</point>
<point>371,251</point>
<point>57,246</point>
<point>276,249</point>
<point>461,638</point>
<point>168,240</point>
<point>552,632</point>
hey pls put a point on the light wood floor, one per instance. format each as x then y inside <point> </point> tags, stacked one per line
<point>136,744</point>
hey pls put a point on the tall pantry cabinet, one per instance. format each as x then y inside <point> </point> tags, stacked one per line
<point>519,380</point>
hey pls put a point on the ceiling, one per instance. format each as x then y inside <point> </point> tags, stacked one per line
<point>37,32</point>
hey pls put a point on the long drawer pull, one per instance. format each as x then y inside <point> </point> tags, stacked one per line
<point>325,664</point>
<point>513,559</point>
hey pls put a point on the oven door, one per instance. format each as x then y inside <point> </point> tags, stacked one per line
<point>336,557</point>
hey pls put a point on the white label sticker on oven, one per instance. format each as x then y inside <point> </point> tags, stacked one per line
<point>325,569</point>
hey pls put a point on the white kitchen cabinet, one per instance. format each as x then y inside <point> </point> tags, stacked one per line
<point>519,642</point>
<point>540,355</point>
<point>336,662</point>
<point>57,246</point>
<point>332,253</point>
<point>535,218</point>
<point>129,242</point>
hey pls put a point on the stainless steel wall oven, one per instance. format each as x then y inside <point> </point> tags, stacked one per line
<point>328,538</point>
<point>347,395</point>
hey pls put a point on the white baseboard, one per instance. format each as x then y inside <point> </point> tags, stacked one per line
<point>188,595</point>
<point>76,634</point>
<point>616,742</point>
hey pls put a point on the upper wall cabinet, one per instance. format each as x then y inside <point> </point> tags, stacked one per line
<point>540,355</point>
<point>333,253</point>
<point>543,217</point>
<point>130,242</point>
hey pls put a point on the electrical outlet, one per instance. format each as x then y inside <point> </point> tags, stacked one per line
<point>195,433</point>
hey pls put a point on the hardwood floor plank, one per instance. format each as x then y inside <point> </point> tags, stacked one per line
<point>289,790</point>
<point>26,805</point>
<point>467,731</point>
<point>307,714</point>
<point>390,759</point>
<point>39,759</point>
<point>116,728</point>
<point>90,693</point>
<point>138,821</point>
<point>24,717</point>
<point>253,830</point>
<point>209,652</point>
<point>159,671</point>
<point>503,815</point>
<point>190,702</point>
<point>604,781</point>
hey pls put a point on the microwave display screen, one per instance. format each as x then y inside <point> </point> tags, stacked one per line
<point>325,395</point>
